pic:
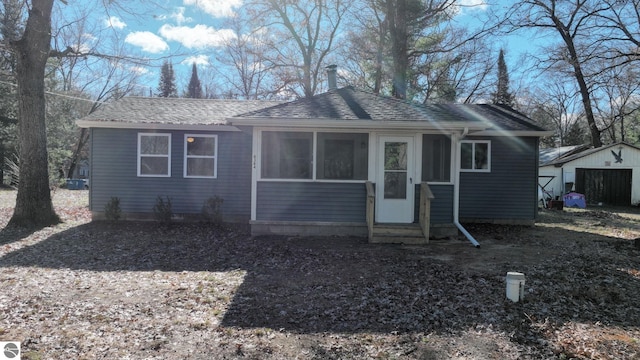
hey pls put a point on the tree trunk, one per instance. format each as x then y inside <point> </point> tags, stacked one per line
<point>398,31</point>
<point>33,204</point>
<point>579,75</point>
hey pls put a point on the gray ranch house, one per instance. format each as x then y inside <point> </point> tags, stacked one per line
<point>345,162</point>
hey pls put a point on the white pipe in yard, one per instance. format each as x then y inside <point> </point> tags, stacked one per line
<point>456,194</point>
<point>466,233</point>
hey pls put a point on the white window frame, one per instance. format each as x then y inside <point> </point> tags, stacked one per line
<point>214,157</point>
<point>167,156</point>
<point>258,156</point>
<point>473,155</point>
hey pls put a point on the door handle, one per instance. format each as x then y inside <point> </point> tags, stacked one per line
<point>410,180</point>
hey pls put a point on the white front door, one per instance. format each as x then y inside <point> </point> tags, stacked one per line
<point>394,183</point>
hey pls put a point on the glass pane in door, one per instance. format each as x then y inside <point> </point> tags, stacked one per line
<point>395,156</point>
<point>395,170</point>
<point>395,185</point>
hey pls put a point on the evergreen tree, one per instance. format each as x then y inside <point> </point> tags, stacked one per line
<point>167,86</point>
<point>502,96</point>
<point>194,90</point>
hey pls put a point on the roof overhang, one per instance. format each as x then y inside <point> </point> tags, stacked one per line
<point>154,126</point>
<point>356,124</point>
<point>530,133</point>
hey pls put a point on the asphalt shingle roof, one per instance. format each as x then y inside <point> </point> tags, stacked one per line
<point>156,110</point>
<point>340,104</point>
<point>351,104</point>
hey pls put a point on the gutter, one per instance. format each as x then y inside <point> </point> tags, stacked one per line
<point>456,195</point>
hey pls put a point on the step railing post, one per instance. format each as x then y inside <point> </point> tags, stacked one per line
<point>371,201</point>
<point>425,209</point>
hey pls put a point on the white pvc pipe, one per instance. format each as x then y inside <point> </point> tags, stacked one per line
<point>466,234</point>
<point>456,193</point>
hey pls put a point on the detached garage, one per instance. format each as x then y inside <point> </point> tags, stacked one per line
<point>609,175</point>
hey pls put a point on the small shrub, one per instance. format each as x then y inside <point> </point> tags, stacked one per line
<point>112,209</point>
<point>162,210</point>
<point>212,210</point>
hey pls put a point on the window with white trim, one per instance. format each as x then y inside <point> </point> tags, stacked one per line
<point>338,155</point>
<point>287,155</point>
<point>154,154</point>
<point>342,156</point>
<point>475,155</point>
<point>200,156</point>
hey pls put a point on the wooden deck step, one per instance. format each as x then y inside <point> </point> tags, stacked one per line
<point>397,234</point>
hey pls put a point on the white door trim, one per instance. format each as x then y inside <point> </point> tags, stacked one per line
<point>398,207</point>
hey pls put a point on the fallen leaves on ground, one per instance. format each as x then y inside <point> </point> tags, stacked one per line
<point>133,290</point>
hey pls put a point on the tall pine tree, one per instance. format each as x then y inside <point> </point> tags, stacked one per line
<point>502,96</point>
<point>167,86</point>
<point>194,90</point>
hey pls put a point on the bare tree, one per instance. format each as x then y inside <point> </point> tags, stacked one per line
<point>618,98</point>
<point>243,67</point>
<point>97,79</point>
<point>33,202</point>
<point>556,105</point>
<point>302,35</point>
<point>574,22</point>
<point>33,49</point>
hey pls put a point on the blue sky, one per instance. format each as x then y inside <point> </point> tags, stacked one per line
<point>190,31</point>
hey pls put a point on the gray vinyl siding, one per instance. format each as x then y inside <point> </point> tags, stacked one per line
<point>114,174</point>
<point>508,191</point>
<point>311,201</point>
<point>441,204</point>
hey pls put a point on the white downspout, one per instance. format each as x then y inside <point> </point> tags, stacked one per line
<point>456,192</point>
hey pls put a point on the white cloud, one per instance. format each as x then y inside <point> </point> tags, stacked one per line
<point>473,4</point>
<point>197,37</point>
<point>148,41</point>
<point>216,8</point>
<point>178,16</point>
<point>197,59</point>
<point>139,70</point>
<point>115,22</point>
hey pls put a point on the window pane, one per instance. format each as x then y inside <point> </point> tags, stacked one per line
<point>338,159</point>
<point>201,146</point>
<point>295,159</point>
<point>154,165</point>
<point>482,156</point>
<point>286,155</point>
<point>395,185</point>
<point>395,156</point>
<point>436,157</point>
<point>342,156</point>
<point>466,159</point>
<point>201,167</point>
<point>154,145</point>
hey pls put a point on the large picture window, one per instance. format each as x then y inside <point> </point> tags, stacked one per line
<point>342,156</point>
<point>475,156</point>
<point>200,156</point>
<point>436,158</point>
<point>154,154</point>
<point>287,155</point>
<point>290,155</point>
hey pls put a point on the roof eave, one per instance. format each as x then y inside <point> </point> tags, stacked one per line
<point>356,124</point>
<point>154,126</point>
<point>534,133</point>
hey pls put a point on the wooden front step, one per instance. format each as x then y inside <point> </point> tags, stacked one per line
<point>398,234</point>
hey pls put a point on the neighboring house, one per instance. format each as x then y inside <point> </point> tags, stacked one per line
<point>608,175</point>
<point>336,163</point>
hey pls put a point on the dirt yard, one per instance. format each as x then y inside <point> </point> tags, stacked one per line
<point>125,290</point>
